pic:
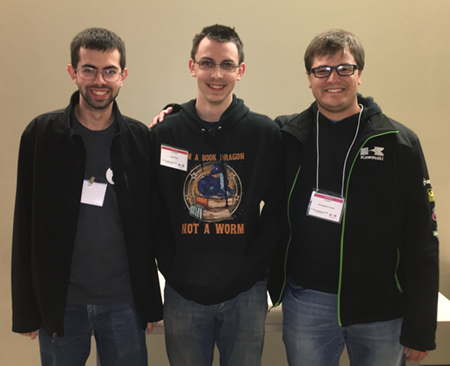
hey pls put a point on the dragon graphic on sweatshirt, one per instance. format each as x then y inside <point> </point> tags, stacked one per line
<point>212,191</point>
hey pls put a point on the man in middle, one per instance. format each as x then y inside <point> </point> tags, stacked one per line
<point>219,186</point>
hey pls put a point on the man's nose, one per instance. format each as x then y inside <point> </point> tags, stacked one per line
<point>334,75</point>
<point>99,78</point>
<point>217,71</point>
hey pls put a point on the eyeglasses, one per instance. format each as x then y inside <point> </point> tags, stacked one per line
<point>88,73</point>
<point>208,65</point>
<point>342,70</point>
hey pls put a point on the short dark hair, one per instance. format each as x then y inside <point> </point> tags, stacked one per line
<point>219,33</point>
<point>331,42</point>
<point>99,39</point>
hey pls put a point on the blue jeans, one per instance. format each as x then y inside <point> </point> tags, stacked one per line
<point>118,333</point>
<point>313,337</point>
<point>237,326</point>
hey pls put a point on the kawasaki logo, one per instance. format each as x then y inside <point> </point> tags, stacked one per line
<point>373,154</point>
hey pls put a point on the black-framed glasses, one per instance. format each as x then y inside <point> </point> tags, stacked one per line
<point>88,73</point>
<point>342,70</point>
<point>209,65</point>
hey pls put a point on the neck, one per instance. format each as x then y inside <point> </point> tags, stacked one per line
<point>94,119</point>
<point>339,116</point>
<point>211,112</point>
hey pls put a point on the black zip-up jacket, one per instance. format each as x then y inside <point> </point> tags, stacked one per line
<point>389,245</point>
<point>212,247</point>
<point>49,183</point>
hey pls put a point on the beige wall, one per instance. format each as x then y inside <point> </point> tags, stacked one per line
<point>407,53</point>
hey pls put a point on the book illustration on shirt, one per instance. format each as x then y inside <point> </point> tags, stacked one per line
<point>212,192</point>
<point>207,213</point>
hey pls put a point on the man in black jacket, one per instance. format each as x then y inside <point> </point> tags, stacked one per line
<point>361,263</point>
<point>82,259</point>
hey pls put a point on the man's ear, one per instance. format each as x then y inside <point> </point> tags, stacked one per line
<point>240,73</point>
<point>123,76</point>
<point>72,73</point>
<point>192,67</point>
<point>310,76</point>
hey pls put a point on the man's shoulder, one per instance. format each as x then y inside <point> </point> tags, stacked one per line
<point>176,121</point>
<point>262,120</point>
<point>404,134</point>
<point>48,116</point>
<point>403,129</point>
<point>57,115</point>
<point>293,119</point>
<point>134,123</point>
<point>47,121</point>
<point>171,122</point>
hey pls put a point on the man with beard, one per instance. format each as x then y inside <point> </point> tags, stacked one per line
<point>82,260</point>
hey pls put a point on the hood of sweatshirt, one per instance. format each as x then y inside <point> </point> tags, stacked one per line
<point>235,112</point>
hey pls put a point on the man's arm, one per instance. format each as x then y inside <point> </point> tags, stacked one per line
<point>32,335</point>
<point>414,355</point>
<point>162,234</point>
<point>150,326</point>
<point>159,118</point>
<point>26,318</point>
<point>268,235</point>
<point>168,109</point>
<point>419,255</point>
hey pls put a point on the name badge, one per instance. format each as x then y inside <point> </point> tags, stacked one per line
<point>93,193</point>
<point>326,207</point>
<point>173,157</point>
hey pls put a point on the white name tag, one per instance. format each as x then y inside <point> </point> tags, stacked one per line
<point>173,157</point>
<point>326,207</point>
<point>93,193</point>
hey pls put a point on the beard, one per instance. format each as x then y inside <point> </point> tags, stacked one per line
<point>96,104</point>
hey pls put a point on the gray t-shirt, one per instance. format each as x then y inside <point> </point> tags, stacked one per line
<point>99,272</point>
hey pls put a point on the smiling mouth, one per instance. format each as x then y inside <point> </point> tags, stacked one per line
<point>216,87</point>
<point>100,93</point>
<point>334,90</point>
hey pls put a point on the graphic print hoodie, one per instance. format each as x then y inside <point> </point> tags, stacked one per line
<point>219,214</point>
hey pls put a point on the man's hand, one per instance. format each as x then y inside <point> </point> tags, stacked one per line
<point>160,117</point>
<point>31,335</point>
<point>414,355</point>
<point>150,326</point>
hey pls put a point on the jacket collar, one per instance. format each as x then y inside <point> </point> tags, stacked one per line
<point>75,99</point>
<point>373,121</point>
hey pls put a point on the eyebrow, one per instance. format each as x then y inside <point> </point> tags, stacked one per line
<point>345,64</point>
<point>211,59</point>
<point>105,68</point>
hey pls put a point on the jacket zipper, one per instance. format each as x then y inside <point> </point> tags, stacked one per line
<point>396,268</point>
<point>343,223</point>
<point>125,178</point>
<point>290,237</point>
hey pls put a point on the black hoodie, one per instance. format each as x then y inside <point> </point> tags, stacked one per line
<point>215,241</point>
